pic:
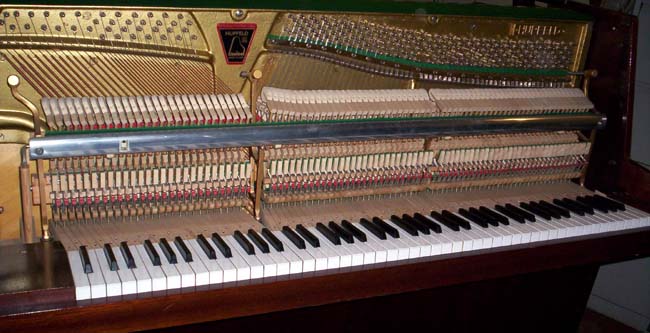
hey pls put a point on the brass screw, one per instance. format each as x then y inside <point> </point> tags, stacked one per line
<point>238,14</point>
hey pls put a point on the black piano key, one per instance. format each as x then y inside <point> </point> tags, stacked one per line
<point>539,212</point>
<point>342,233</point>
<point>85,260</point>
<point>206,247</point>
<point>592,203</point>
<point>584,208</point>
<point>603,203</point>
<point>473,217</point>
<point>110,257</point>
<point>274,241</point>
<point>445,221</point>
<point>259,242</point>
<point>128,256</point>
<point>486,217</point>
<point>551,212</point>
<point>526,215</point>
<point>356,232</point>
<point>460,222</point>
<point>307,235</point>
<point>387,228</point>
<point>375,230</point>
<point>221,245</point>
<point>433,226</point>
<point>294,238</point>
<point>510,213</point>
<point>328,233</point>
<point>572,208</point>
<point>404,226</point>
<point>494,215</point>
<point>244,243</point>
<point>153,254</point>
<point>168,251</point>
<point>612,203</point>
<point>419,226</point>
<point>182,248</point>
<point>560,210</point>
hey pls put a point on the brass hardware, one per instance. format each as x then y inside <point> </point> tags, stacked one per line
<point>14,81</point>
<point>257,179</point>
<point>589,74</point>
<point>253,77</point>
<point>238,14</point>
<point>592,139</point>
<point>25,196</point>
<point>40,169</point>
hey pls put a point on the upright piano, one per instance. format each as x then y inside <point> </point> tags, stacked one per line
<point>313,166</point>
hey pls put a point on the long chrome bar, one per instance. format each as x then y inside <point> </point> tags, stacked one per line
<point>266,134</point>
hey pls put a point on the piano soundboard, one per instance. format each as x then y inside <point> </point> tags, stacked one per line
<point>175,150</point>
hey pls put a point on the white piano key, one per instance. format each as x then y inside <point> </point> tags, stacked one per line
<point>112,280</point>
<point>270,266</point>
<point>215,272</point>
<point>477,237</point>
<point>499,234</point>
<point>379,252</point>
<point>129,283</point>
<point>335,258</point>
<point>407,240</point>
<point>553,231</point>
<point>434,244</point>
<point>512,231</point>
<point>425,245</point>
<point>630,221</point>
<point>187,274</point>
<point>454,237</point>
<point>289,253</point>
<point>321,257</point>
<point>230,271</point>
<point>170,270</point>
<point>526,230</point>
<point>642,216</point>
<point>96,278</point>
<point>573,229</point>
<point>585,227</point>
<point>307,262</point>
<point>641,219</point>
<point>241,266</point>
<point>158,277</point>
<point>282,263</point>
<point>357,253</point>
<point>544,226</point>
<point>201,273</point>
<point>80,278</point>
<point>403,248</point>
<point>144,281</point>
<point>256,267</point>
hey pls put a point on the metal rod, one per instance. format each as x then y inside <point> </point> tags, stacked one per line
<point>266,134</point>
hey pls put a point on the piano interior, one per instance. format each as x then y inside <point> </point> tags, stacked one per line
<point>177,150</point>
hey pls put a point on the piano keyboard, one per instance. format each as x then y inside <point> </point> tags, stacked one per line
<point>213,260</point>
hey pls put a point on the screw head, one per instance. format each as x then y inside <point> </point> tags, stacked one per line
<point>13,80</point>
<point>38,151</point>
<point>238,14</point>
